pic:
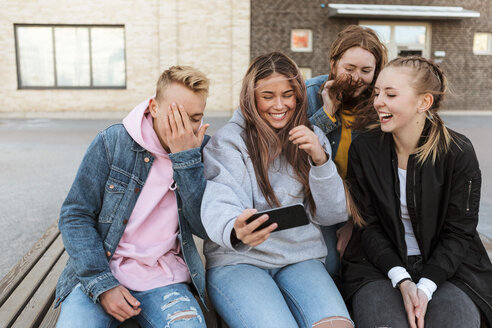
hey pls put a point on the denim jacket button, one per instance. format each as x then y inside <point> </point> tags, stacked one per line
<point>108,253</point>
<point>111,186</point>
<point>146,159</point>
<point>125,221</point>
<point>137,190</point>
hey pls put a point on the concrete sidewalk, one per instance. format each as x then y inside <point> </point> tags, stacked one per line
<point>39,159</point>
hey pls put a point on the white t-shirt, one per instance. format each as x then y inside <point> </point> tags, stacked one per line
<point>412,245</point>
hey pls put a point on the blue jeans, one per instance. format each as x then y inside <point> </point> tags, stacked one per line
<point>297,295</point>
<point>169,306</point>
<point>332,262</point>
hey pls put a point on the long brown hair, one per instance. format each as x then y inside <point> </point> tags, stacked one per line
<point>265,143</point>
<point>350,37</point>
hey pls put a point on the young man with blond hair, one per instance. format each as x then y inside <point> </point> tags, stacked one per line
<point>128,220</point>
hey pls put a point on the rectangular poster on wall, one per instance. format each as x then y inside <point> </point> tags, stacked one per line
<point>301,40</point>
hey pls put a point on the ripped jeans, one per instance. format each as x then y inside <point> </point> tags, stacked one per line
<point>169,306</point>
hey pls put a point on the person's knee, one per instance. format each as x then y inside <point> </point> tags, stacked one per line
<point>184,316</point>
<point>334,322</point>
<point>181,309</point>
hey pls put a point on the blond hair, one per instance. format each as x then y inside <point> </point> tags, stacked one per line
<point>428,78</point>
<point>187,76</point>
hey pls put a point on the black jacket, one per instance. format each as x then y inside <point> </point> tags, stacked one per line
<point>442,199</point>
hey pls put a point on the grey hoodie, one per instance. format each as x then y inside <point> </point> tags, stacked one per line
<point>232,188</point>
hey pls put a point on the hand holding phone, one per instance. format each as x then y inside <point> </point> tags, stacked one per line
<point>286,217</point>
<point>247,232</point>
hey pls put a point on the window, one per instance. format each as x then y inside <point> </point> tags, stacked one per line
<point>70,56</point>
<point>403,38</point>
<point>306,72</point>
<point>482,44</point>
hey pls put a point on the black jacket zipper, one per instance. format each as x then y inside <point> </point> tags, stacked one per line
<point>469,195</point>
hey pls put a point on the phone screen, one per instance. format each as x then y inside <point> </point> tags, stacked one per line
<point>286,217</point>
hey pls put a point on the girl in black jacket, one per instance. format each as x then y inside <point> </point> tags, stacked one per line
<point>416,185</point>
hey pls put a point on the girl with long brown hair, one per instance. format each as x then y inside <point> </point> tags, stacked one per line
<point>269,156</point>
<point>356,58</point>
<point>416,184</point>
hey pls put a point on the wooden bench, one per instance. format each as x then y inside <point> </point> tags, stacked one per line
<point>27,292</point>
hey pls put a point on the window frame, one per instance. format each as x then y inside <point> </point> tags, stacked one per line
<point>392,45</point>
<point>487,52</point>
<point>53,26</point>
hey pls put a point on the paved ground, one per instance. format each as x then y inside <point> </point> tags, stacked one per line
<point>39,159</point>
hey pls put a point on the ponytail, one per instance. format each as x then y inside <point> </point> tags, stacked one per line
<point>429,78</point>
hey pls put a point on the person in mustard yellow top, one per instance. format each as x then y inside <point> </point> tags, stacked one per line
<point>356,58</point>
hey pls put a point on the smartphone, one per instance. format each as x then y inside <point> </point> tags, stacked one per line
<point>286,217</point>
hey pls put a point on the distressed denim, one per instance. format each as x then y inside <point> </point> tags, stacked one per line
<point>101,199</point>
<point>318,117</point>
<point>171,306</point>
<point>297,295</point>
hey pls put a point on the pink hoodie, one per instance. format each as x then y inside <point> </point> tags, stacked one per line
<point>149,255</point>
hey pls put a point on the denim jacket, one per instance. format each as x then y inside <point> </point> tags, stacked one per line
<point>101,199</point>
<point>318,117</point>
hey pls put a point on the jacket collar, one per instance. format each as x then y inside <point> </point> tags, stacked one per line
<point>136,147</point>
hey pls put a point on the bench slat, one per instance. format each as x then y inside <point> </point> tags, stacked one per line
<point>37,307</point>
<point>51,317</point>
<point>10,282</point>
<point>16,302</point>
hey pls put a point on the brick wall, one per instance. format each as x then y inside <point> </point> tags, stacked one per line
<point>470,75</point>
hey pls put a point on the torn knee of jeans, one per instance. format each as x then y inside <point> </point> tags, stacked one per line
<point>334,322</point>
<point>173,301</point>
<point>184,315</point>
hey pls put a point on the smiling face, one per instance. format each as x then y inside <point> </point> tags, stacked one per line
<point>400,108</point>
<point>275,100</point>
<point>360,64</point>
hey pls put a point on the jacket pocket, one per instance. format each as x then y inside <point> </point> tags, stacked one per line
<point>471,194</point>
<point>114,190</point>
